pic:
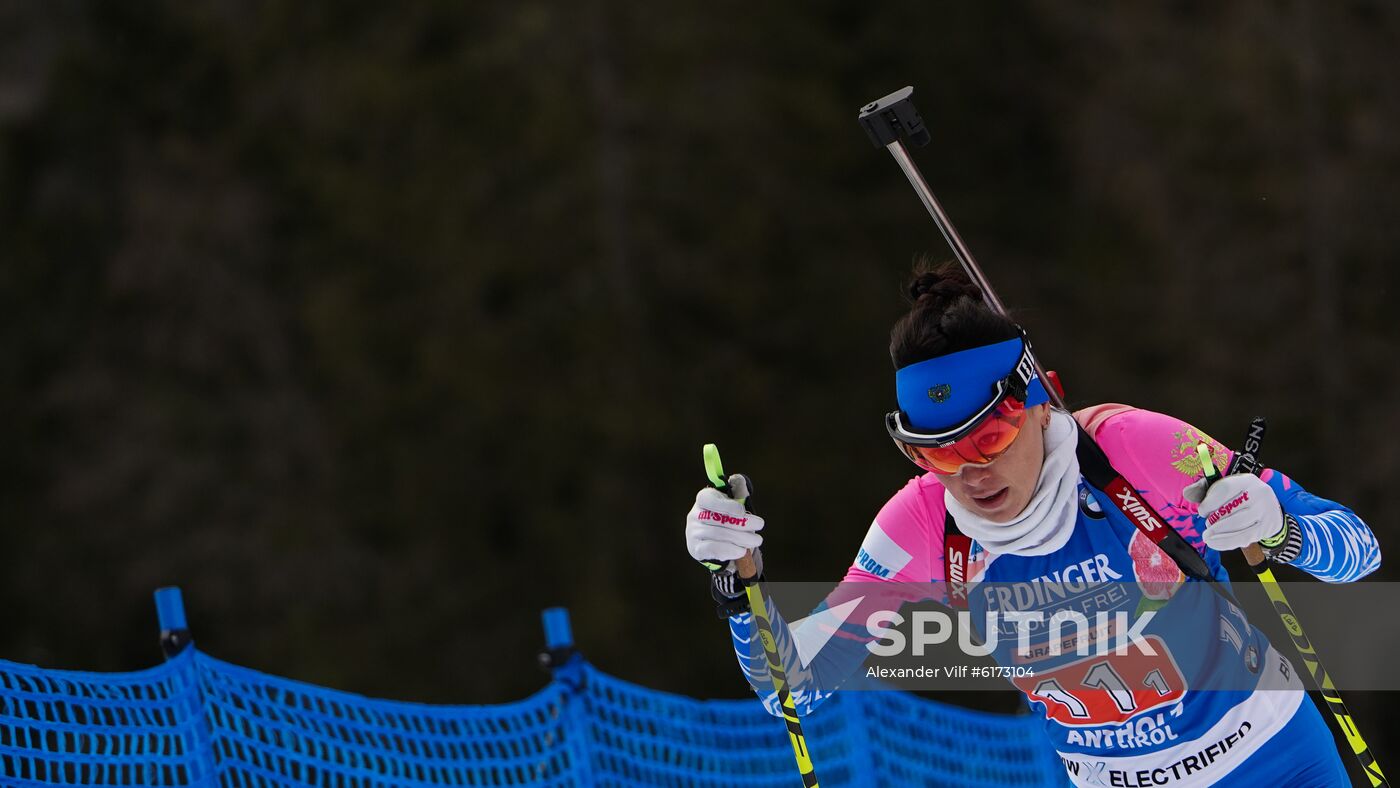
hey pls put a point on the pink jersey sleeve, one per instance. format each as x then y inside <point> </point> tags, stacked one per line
<point>905,542</point>
<point>1156,453</point>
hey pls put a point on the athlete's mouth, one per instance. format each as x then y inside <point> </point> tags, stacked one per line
<point>991,501</point>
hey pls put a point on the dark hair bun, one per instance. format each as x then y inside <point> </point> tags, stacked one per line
<point>941,285</point>
<point>948,315</point>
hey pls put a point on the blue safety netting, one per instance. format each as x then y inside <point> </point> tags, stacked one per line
<point>197,720</point>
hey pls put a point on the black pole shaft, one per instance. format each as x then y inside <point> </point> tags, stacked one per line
<point>960,250</point>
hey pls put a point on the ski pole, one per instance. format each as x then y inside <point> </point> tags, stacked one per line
<point>715,470</point>
<point>1247,461</point>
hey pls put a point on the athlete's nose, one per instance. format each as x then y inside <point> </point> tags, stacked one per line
<point>975,475</point>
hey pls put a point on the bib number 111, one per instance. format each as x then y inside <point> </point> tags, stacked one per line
<point>1105,689</point>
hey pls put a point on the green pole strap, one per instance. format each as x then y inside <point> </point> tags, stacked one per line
<point>1207,464</point>
<point>713,468</point>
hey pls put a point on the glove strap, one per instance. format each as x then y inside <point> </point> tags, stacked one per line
<point>1286,545</point>
<point>730,590</point>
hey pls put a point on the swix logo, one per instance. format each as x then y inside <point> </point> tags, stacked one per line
<point>959,549</point>
<point>1247,460</point>
<point>1229,506</point>
<point>1133,506</point>
<point>722,518</point>
<point>1255,437</point>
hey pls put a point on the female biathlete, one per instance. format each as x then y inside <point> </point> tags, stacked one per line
<point>1003,481</point>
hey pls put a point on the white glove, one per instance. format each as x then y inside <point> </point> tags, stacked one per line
<point>1240,509</point>
<point>719,531</point>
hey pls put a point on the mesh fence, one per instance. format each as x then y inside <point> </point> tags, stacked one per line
<point>61,727</point>
<point>197,720</point>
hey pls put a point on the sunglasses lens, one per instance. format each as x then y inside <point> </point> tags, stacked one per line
<point>996,434</point>
<point>988,441</point>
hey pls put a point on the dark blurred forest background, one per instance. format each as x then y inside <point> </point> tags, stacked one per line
<point>378,327</point>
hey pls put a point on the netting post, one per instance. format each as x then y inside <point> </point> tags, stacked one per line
<point>564,662</point>
<point>174,637</point>
<point>558,638</point>
<point>170,612</point>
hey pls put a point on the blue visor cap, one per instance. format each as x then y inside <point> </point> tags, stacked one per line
<point>945,392</point>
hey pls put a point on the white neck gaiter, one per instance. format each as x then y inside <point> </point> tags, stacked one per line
<point>1048,520</point>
